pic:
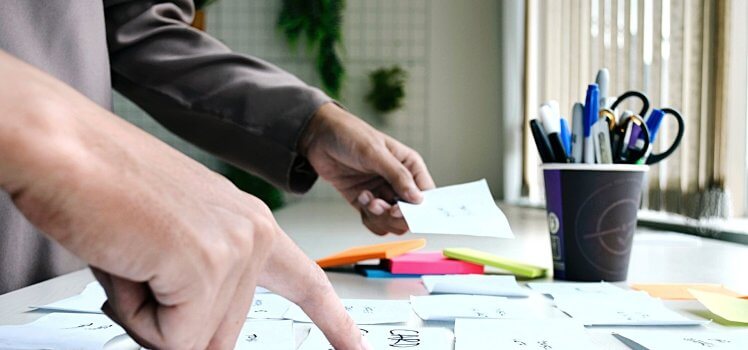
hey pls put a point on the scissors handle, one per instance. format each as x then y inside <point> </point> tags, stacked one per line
<point>636,94</point>
<point>656,158</point>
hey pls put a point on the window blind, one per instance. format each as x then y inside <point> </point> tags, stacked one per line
<point>673,50</point>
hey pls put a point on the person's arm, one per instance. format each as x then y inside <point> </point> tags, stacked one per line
<point>240,108</point>
<point>254,114</point>
<point>177,247</point>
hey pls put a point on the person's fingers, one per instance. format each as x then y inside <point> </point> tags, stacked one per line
<point>289,273</point>
<point>378,207</point>
<point>413,162</point>
<point>132,306</point>
<point>399,177</point>
<point>384,224</point>
<point>228,331</point>
<point>395,212</point>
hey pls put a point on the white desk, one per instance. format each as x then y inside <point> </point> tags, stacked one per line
<point>321,228</point>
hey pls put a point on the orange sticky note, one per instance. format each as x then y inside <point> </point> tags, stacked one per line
<point>375,251</point>
<point>679,291</point>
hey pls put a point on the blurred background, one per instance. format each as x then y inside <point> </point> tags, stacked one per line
<point>458,81</point>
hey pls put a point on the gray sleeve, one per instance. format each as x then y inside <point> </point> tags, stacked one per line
<point>240,108</point>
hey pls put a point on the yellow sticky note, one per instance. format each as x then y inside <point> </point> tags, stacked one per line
<point>679,291</point>
<point>730,308</point>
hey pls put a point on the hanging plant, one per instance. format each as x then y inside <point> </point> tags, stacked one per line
<point>320,22</point>
<point>387,89</point>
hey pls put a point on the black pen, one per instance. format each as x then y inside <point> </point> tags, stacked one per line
<point>541,141</point>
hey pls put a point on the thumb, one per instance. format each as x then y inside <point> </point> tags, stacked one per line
<point>399,177</point>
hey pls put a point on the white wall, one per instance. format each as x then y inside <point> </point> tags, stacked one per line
<point>464,135</point>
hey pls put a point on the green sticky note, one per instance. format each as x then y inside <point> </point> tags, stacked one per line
<point>488,259</point>
<point>728,307</point>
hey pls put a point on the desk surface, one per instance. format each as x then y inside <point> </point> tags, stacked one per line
<point>321,228</point>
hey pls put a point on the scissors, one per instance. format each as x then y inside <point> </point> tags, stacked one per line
<point>651,125</point>
<point>630,139</point>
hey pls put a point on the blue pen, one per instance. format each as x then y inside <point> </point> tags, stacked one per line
<point>566,136</point>
<point>591,104</point>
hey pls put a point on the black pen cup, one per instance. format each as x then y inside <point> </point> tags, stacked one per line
<point>592,211</point>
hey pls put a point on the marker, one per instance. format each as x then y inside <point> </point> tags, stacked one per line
<point>601,137</point>
<point>616,138</point>
<point>602,79</point>
<point>541,142</point>
<point>591,103</point>
<point>552,126</point>
<point>577,135</point>
<point>566,137</point>
<point>653,123</point>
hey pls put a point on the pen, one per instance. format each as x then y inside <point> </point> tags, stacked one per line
<point>590,117</point>
<point>616,135</point>
<point>566,137</point>
<point>552,126</point>
<point>577,134</point>
<point>541,142</point>
<point>601,136</point>
<point>653,123</point>
<point>602,79</point>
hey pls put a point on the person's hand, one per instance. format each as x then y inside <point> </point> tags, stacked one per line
<point>177,248</point>
<point>370,169</point>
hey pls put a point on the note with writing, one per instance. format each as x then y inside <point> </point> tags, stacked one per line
<point>266,335</point>
<point>78,331</point>
<point>558,288</point>
<point>364,311</point>
<point>474,284</point>
<point>683,339</point>
<point>449,307</point>
<point>546,334</point>
<point>466,209</point>
<point>728,307</point>
<point>624,309</point>
<point>390,337</point>
<point>264,305</point>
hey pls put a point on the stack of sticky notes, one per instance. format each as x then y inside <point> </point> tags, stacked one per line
<point>400,259</point>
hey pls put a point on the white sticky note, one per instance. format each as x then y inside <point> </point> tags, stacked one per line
<point>505,286</point>
<point>61,331</point>
<point>683,339</point>
<point>559,288</point>
<point>624,309</point>
<point>467,209</point>
<point>266,335</point>
<point>390,337</point>
<point>89,300</point>
<point>450,307</point>
<point>364,311</point>
<point>269,306</point>
<point>264,305</point>
<point>556,334</point>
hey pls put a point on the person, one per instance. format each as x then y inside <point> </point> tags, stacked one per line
<point>177,248</point>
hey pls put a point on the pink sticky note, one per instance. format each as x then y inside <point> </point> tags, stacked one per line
<point>430,263</point>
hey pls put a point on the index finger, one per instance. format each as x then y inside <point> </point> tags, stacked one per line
<point>291,274</point>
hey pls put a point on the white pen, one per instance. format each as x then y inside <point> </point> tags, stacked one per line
<point>602,80</point>
<point>577,133</point>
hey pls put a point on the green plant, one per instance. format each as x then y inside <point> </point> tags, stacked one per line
<point>253,185</point>
<point>387,89</point>
<point>320,22</point>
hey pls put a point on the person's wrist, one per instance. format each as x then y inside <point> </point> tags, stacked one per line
<point>317,125</point>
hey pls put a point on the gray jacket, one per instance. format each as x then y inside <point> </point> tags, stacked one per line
<point>240,108</point>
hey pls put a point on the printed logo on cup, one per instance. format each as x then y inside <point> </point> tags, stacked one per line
<point>608,229</point>
<point>553,223</point>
